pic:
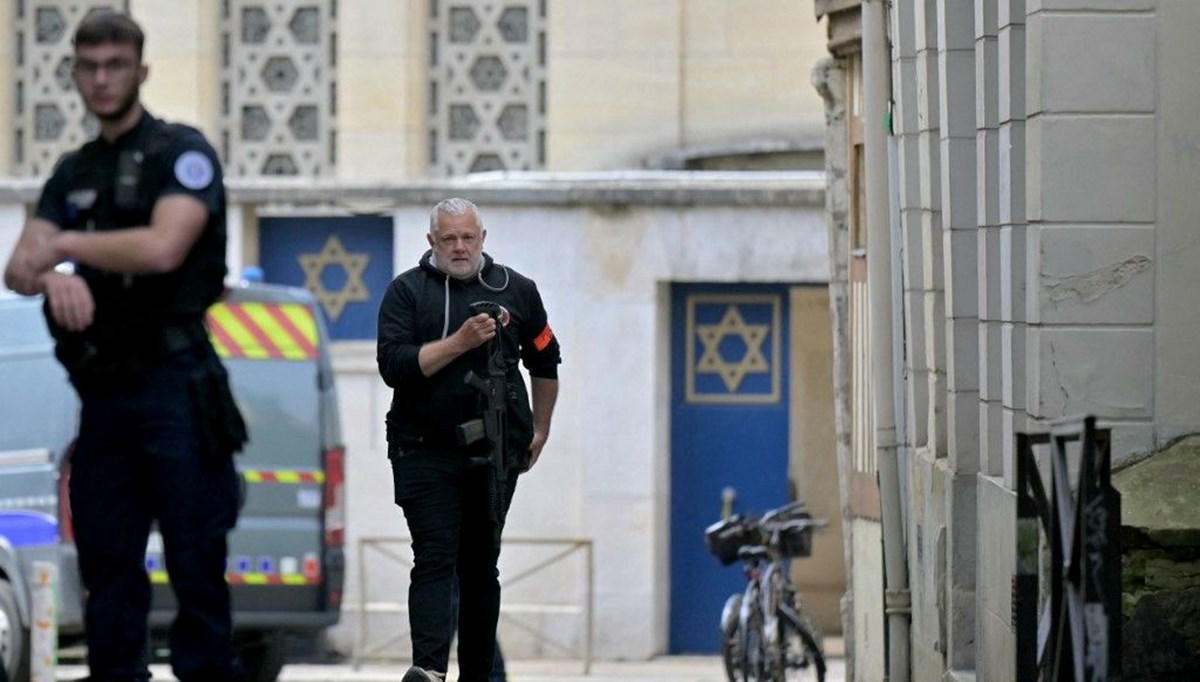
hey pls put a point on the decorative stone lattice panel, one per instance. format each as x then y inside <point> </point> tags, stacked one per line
<point>278,80</point>
<point>50,117</point>
<point>487,88</point>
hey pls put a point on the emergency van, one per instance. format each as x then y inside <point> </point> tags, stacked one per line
<point>286,561</point>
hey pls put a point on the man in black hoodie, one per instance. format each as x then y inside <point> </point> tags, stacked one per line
<point>429,339</point>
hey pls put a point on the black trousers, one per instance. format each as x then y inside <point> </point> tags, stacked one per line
<point>445,501</point>
<point>137,461</point>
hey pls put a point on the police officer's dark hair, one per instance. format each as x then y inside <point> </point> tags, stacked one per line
<point>102,26</point>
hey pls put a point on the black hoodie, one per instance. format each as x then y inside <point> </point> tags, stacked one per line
<point>425,304</point>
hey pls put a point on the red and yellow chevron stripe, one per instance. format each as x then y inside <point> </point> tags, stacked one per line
<point>288,476</point>
<point>263,331</point>
<point>161,578</point>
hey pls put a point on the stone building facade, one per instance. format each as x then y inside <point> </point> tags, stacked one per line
<point>1032,196</point>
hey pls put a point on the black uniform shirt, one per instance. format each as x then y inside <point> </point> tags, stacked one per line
<point>110,186</point>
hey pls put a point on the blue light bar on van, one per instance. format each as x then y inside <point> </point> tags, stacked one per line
<point>28,528</point>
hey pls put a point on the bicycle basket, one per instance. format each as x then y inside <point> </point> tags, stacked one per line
<point>796,541</point>
<point>725,537</point>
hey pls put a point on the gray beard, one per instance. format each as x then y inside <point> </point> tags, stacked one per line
<point>474,271</point>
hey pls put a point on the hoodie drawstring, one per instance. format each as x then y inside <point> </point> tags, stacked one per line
<point>446,311</point>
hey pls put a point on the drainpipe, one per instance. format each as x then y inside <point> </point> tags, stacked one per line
<point>876,95</point>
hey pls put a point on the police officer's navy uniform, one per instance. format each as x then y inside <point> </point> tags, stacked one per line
<point>443,495</point>
<point>158,426</point>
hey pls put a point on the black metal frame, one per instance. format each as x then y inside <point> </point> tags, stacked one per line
<point>1078,633</point>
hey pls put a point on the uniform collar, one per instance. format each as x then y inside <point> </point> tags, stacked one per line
<point>145,121</point>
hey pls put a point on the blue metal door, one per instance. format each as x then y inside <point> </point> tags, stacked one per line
<point>729,428</point>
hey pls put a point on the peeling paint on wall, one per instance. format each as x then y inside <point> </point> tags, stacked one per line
<point>1094,285</point>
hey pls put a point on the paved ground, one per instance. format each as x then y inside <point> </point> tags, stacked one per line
<point>664,669</point>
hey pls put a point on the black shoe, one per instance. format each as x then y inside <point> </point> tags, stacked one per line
<point>416,674</point>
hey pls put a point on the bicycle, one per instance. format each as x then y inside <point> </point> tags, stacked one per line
<point>765,634</point>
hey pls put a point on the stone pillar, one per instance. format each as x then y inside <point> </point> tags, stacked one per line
<point>987,200</point>
<point>829,79</point>
<point>931,439</point>
<point>1091,202</point>
<point>1011,213</point>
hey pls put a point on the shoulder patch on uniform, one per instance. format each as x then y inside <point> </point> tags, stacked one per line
<point>193,170</point>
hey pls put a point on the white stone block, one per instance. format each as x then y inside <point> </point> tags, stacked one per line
<point>987,82</point>
<point>914,307</point>
<point>1013,341</point>
<point>1012,422</point>
<point>1104,372</point>
<point>989,361</point>
<point>1116,76</point>
<point>991,437</point>
<point>962,346</point>
<point>1032,259</point>
<point>927,91</point>
<point>929,154</point>
<point>962,273</point>
<point>918,406</point>
<point>1034,52</point>
<point>906,118</point>
<point>1096,275</point>
<point>925,24</point>
<point>958,183</point>
<point>986,16</point>
<point>903,34</point>
<point>956,82</point>
<point>1013,281</point>
<point>935,328</point>
<point>995,518</point>
<point>1010,58</point>
<point>1010,12</point>
<point>1010,150</point>
<point>914,252</point>
<point>910,171</point>
<point>989,281</point>
<point>931,243</point>
<point>987,177</point>
<point>963,446</point>
<point>1091,169</point>
<point>955,24</point>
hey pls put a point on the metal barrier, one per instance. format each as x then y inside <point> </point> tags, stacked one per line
<point>1076,519</point>
<point>389,548</point>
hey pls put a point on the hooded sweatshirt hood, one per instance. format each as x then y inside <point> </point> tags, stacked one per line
<point>486,274</point>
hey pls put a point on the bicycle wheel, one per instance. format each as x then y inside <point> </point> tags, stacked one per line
<point>754,666</point>
<point>731,651</point>
<point>799,657</point>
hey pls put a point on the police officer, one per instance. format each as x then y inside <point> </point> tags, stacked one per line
<point>430,339</point>
<point>128,247</point>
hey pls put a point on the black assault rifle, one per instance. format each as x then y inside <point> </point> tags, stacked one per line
<point>495,417</point>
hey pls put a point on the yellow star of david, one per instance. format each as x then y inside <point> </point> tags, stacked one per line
<point>712,361</point>
<point>354,264</point>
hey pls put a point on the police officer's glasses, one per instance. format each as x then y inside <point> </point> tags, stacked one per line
<point>114,68</point>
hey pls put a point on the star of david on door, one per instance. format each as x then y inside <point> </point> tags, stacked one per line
<point>334,255</point>
<point>733,348</point>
